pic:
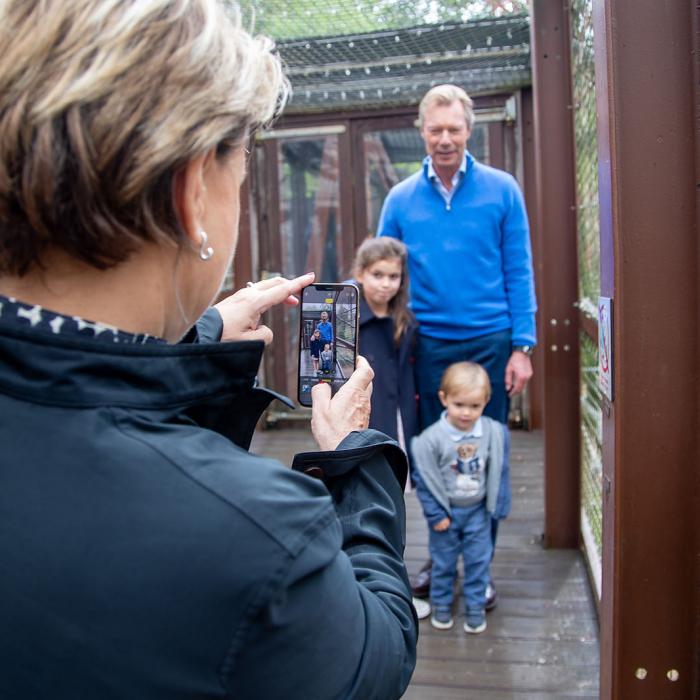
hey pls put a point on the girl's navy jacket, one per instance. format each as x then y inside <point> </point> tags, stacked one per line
<point>394,380</point>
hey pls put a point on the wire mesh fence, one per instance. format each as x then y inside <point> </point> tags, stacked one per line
<point>583,75</point>
<point>585,135</point>
<point>284,20</point>
<point>365,54</point>
<point>591,450</point>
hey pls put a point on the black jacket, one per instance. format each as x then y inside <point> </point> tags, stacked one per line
<point>394,381</point>
<point>144,555</point>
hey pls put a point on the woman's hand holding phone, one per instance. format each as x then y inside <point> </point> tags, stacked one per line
<point>241,311</point>
<point>332,419</point>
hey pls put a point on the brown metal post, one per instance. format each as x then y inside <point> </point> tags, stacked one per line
<point>695,540</point>
<point>558,270</point>
<point>648,143</point>
<point>536,385</point>
<point>347,213</point>
<point>243,260</point>
<point>271,259</point>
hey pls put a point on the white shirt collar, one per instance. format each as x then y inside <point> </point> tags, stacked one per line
<point>432,175</point>
<point>457,435</point>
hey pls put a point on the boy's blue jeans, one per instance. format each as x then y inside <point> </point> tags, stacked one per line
<point>469,534</point>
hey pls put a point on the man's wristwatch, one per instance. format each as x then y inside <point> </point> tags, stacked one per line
<point>525,349</point>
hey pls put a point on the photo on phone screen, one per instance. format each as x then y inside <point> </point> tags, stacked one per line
<point>327,336</point>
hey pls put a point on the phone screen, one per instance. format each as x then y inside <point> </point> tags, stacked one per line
<point>327,336</point>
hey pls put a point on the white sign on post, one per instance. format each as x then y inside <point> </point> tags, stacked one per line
<point>605,358</point>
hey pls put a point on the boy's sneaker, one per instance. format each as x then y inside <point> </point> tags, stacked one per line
<point>475,622</point>
<point>442,618</point>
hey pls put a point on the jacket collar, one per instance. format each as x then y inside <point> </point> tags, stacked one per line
<point>407,341</point>
<point>467,164</point>
<point>366,313</point>
<point>455,434</point>
<point>73,371</point>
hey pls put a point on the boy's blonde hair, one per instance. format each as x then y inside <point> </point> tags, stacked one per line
<point>465,375</point>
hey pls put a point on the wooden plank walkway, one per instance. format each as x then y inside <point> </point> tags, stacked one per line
<point>542,639</point>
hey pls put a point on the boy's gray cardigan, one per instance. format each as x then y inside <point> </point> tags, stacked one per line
<point>434,446</point>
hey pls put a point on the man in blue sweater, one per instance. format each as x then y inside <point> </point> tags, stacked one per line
<point>469,259</point>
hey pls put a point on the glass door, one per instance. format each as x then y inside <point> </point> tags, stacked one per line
<point>302,228</point>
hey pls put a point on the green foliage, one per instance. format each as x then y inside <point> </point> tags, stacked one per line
<point>591,440</point>
<point>281,19</point>
<point>585,133</point>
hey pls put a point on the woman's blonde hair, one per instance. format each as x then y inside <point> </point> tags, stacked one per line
<point>373,250</point>
<point>102,102</point>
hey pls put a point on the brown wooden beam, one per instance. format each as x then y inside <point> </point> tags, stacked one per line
<point>536,385</point>
<point>646,55</point>
<point>695,540</point>
<point>557,271</point>
<point>243,259</point>
<point>289,119</point>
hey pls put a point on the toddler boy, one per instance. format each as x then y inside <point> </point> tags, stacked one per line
<point>326,359</point>
<point>462,482</point>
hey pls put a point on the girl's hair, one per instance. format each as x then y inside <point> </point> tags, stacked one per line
<point>373,250</point>
<point>465,375</point>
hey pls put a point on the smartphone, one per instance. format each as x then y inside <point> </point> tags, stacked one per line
<point>328,332</point>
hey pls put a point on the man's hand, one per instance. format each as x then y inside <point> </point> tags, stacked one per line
<point>332,419</point>
<point>518,372</point>
<point>241,311</point>
<point>443,525</point>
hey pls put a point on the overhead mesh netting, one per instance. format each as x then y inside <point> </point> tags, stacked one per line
<point>363,54</point>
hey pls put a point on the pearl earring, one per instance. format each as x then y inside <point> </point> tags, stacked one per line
<point>205,250</point>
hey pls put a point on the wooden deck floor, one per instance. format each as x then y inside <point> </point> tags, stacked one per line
<point>542,640</point>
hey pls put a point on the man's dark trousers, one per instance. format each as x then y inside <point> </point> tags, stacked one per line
<point>435,355</point>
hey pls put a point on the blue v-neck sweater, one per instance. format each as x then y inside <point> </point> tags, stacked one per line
<point>470,261</point>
